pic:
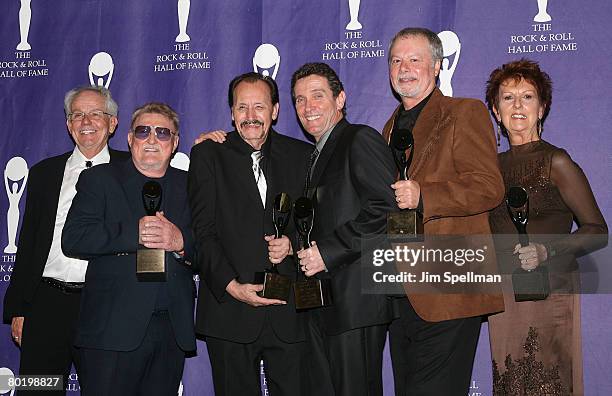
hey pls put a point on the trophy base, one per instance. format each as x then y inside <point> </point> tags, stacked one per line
<point>353,25</point>
<point>275,286</point>
<point>531,285</point>
<point>544,17</point>
<point>151,265</point>
<point>312,293</point>
<point>406,224</point>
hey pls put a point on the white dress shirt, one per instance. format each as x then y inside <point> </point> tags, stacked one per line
<point>58,266</point>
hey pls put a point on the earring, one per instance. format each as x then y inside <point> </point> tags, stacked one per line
<point>540,127</point>
<point>498,133</point>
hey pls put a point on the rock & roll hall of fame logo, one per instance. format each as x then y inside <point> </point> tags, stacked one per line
<point>15,180</point>
<point>542,15</point>
<point>25,16</point>
<point>180,161</point>
<point>5,374</point>
<point>266,60</point>
<point>451,47</point>
<point>354,23</point>
<point>100,70</point>
<point>183,7</point>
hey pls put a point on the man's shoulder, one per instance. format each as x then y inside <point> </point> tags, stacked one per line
<point>118,155</point>
<point>292,143</point>
<point>361,128</point>
<point>176,174</point>
<point>360,133</point>
<point>208,148</point>
<point>459,105</point>
<point>50,162</point>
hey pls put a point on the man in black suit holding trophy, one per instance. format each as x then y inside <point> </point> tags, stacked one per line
<point>136,318</point>
<point>232,191</point>
<point>350,186</point>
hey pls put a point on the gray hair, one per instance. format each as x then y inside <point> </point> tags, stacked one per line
<point>435,44</point>
<point>110,104</point>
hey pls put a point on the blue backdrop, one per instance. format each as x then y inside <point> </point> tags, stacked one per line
<point>185,52</point>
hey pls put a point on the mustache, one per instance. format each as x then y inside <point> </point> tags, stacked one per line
<point>251,122</point>
<point>406,75</point>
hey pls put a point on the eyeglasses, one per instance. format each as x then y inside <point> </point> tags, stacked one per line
<point>94,115</point>
<point>142,132</point>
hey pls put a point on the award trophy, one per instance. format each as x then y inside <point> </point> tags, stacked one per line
<point>528,285</point>
<point>407,223</point>
<point>151,263</point>
<point>275,285</point>
<point>309,292</point>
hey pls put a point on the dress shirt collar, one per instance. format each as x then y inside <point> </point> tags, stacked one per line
<point>407,118</point>
<point>77,159</point>
<point>321,143</point>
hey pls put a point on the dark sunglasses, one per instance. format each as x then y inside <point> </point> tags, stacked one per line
<point>141,132</point>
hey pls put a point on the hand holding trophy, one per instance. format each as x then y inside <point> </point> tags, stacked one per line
<point>407,223</point>
<point>275,285</point>
<point>151,263</point>
<point>310,292</point>
<point>528,285</point>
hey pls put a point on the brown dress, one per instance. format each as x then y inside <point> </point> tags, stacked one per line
<point>536,345</point>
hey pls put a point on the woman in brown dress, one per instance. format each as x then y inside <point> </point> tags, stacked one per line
<point>536,345</point>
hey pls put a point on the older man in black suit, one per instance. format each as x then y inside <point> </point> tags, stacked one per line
<point>133,334</point>
<point>42,300</point>
<point>350,184</point>
<point>232,187</point>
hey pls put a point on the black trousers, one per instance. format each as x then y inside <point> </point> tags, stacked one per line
<point>431,358</point>
<point>154,368</point>
<point>48,335</point>
<point>346,364</point>
<point>236,367</point>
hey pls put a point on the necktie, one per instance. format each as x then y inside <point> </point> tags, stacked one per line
<point>313,158</point>
<point>88,164</point>
<point>260,178</point>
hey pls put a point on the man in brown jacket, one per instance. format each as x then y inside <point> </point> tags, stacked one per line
<point>454,181</point>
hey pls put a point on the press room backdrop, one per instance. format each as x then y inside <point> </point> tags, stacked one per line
<point>185,53</point>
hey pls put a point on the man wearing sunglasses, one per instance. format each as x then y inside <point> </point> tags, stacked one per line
<point>42,300</point>
<point>232,189</point>
<point>133,334</point>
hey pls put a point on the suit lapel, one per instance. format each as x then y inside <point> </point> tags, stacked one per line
<point>244,168</point>
<point>426,132</point>
<point>170,199</point>
<point>54,185</point>
<point>132,187</point>
<point>328,151</point>
<point>274,175</point>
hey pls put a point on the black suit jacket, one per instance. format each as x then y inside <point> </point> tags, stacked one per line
<point>102,227</point>
<point>44,184</point>
<point>230,223</point>
<point>352,192</point>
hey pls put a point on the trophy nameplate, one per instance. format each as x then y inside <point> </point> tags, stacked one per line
<point>312,293</point>
<point>151,263</point>
<point>531,285</point>
<point>308,292</point>
<point>407,224</point>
